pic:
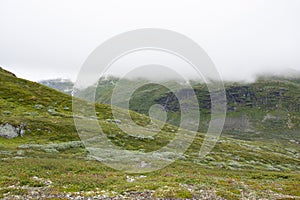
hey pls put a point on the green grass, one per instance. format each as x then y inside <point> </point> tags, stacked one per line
<point>72,175</point>
<point>50,159</point>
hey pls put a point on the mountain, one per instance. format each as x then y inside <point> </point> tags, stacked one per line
<point>45,157</point>
<point>267,109</point>
<point>63,85</point>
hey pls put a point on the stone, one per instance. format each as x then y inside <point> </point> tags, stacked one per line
<point>38,106</point>
<point>7,112</point>
<point>117,121</point>
<point>8,131</point>
<point>66,108</point>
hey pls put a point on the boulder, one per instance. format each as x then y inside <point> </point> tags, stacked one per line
<point>9,131</point>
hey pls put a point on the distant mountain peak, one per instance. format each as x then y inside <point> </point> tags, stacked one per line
<point>60,84</point>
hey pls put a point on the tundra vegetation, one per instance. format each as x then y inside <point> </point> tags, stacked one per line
<point>257,156</point>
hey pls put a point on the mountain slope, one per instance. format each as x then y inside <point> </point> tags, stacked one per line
<point>46,113</point>
<point>264,110</point>
<point>49,161</point>
<point>41,109</point>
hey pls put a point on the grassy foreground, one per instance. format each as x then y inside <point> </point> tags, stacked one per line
<point>34,171</point>
<point>68,173</point>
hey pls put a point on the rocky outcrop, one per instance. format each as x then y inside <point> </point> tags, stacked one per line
<point>266,97</point>
<point>9,131</point>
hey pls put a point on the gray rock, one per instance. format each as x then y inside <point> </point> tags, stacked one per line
<point>7,112</point>
<point>117,121</point>
<point>38,106</point>
<point>22,132</point>
<point>9,131</point>
<point>66,108</point>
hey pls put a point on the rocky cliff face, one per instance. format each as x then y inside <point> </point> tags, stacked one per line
<point>262,96</point>
<point>264,109</point>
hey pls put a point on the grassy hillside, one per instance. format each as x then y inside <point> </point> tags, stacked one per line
<point>47,113</point>
<point>49,161</point>
<point>267,109</point>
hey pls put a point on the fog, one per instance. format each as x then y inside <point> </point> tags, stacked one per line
<point>52,39</point>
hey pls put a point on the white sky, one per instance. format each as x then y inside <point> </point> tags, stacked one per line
<point>52,38</point>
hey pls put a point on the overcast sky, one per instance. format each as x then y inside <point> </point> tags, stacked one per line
<point>52,38</point>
